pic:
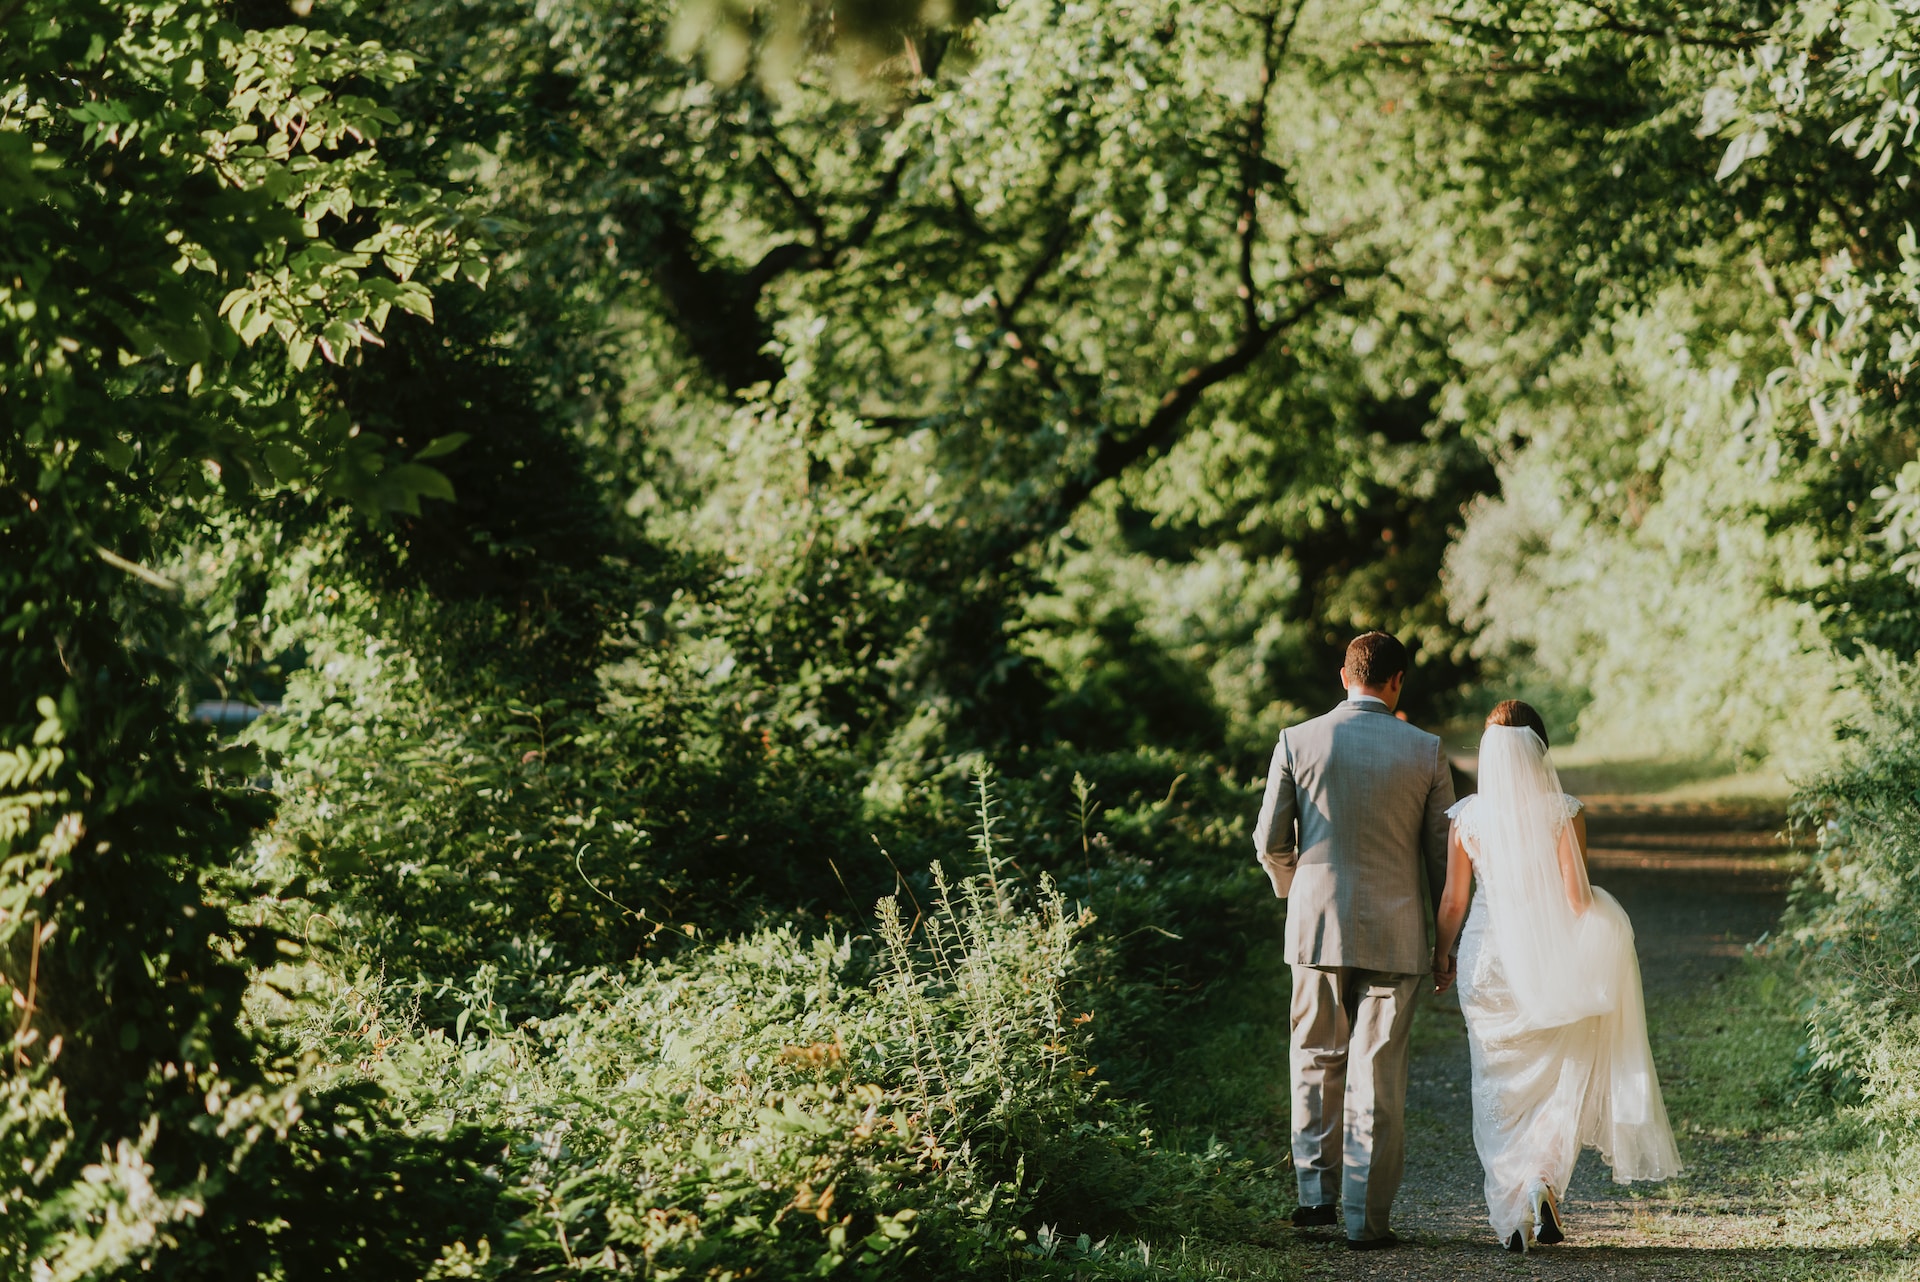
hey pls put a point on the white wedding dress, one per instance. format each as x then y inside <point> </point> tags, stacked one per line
<point>1550,988</point>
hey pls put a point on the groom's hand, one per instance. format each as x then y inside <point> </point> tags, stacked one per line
<point>1443,970</point>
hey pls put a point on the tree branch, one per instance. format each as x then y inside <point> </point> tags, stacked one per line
<point>1116,453</point>
<point>777,262</point>
<point>801,206</point>
<point>1740,38</point>
<point>717,305</point>
<point>1007,310</point>
<point>882,199</point>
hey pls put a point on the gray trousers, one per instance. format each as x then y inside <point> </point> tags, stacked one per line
<point>1351,1034</point>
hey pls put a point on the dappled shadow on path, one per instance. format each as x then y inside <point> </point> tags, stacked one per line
<point>1456,1261</point>
<point>1700,882</point>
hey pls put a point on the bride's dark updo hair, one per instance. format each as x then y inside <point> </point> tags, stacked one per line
<point>1512,712</point>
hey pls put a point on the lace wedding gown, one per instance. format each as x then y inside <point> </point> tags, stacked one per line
<point>1556,1021</point>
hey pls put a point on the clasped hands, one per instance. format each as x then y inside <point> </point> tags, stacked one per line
<point>1444,968</point>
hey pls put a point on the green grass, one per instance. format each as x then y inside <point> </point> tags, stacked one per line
<point>1656,780</point>
<point>1221,1085</point>
<point>1733,1045</point>
<point>1804,1188</point>
<point>1228,1077</point>
<point>1781,1185</point>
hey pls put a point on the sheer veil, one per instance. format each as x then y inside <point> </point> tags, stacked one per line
<point>1556,950</point>
<point>1566,949</point>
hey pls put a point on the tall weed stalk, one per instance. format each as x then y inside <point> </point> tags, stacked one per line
<point>780,1103</point>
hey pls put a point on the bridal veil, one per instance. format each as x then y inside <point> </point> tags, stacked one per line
<point>1565,953</point>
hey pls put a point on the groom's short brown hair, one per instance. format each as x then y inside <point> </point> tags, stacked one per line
<point>1374,659</point>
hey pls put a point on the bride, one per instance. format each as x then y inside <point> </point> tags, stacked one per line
<point>1550,988</point>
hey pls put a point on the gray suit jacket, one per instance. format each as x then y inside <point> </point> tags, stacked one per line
<point>1355,816</point>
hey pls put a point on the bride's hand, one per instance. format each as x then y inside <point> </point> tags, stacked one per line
<point>1443,972</point>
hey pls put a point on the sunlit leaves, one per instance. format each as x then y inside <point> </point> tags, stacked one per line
<point>1658,146</point>
<point>242,197</point>
<point>773,38</point>
<point>287,130</point>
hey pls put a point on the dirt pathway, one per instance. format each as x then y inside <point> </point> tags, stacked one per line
<point>1700,883</point>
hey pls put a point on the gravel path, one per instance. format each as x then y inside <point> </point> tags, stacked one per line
<point>1700,883</point>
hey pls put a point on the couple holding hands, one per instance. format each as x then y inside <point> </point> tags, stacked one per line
<point>1358,826</point>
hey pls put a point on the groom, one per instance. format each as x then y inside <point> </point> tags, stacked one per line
<point>1354,821</point>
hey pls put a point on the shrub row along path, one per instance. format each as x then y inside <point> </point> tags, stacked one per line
<point>1701,882</point>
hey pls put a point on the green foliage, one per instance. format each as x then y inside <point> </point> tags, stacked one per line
<point>1854,916</point>
<point>1153,843</point>
<point>904,1106</point>
<point>176,189</point>
<point>454,810</point>
<point>190,210</point>
<point>1743,169</point>
<point>954,350</point>
<point>1630,559</point>
<point>1841,81</point>
<point>1063,393</point>
<point>1850,934</point>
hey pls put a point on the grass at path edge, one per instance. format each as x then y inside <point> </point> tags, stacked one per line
<point>1799,1187</point>
<point>1782,1183</point>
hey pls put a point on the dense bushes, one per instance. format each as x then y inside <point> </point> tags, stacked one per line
<point>785,1103</point>
<point>1856,913</point>
<point>620,934</point>
<point>462,811</point>
<point>434,776</point>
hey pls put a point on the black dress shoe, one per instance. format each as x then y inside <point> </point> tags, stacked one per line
<point>1312,1217</point>
<point>1380,1243</point>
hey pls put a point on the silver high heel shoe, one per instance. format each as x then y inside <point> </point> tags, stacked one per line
<point>1546,1214</point>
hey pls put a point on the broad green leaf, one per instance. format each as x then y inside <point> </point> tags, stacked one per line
<point>415,298</point>
<point>285,465</point>
<point>442,445</point>
<point>418,479</point>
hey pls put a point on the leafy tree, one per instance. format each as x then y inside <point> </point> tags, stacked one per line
<point>1714,147</point>
<point>949,315</point>
<point>192,213</point>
